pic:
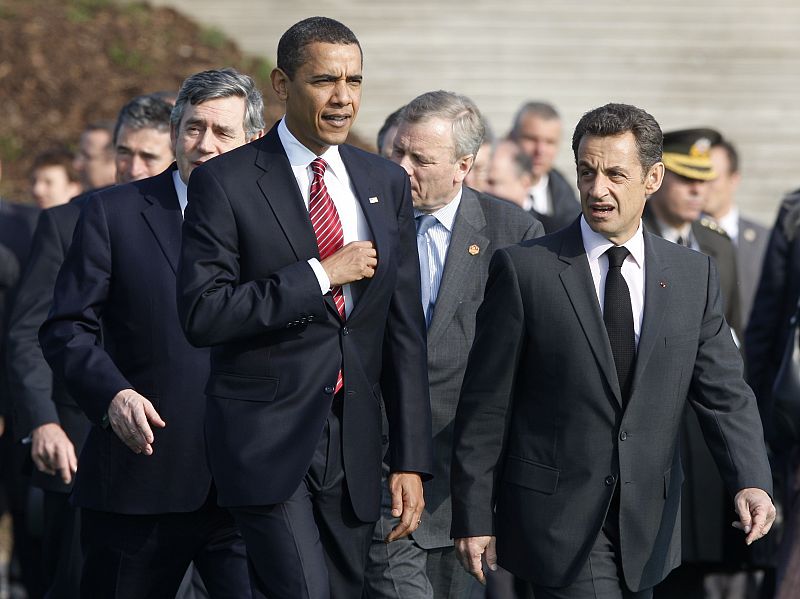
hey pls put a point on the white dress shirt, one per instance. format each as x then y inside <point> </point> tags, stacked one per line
<point>180,189</point>
<point>438,237</point>
<point>354,223</point>
<point>539,197</point>
<point>632,269</point>
<point>730,224</point>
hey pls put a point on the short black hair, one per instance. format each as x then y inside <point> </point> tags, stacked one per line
<point>732,153</point>
<point>616,119</point>
<point>143,112</point>
<point>291,47</point>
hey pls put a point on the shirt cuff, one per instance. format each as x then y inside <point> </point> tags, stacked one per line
<point>322,276</point>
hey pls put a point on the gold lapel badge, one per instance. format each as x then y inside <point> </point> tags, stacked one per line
<point>749,235</point>
<point>474,249</point>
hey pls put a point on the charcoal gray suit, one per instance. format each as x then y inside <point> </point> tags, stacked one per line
<point>542,441</point>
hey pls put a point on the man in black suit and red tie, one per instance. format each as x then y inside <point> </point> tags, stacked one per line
<point>147,497</point>
<point>299,268</point>
<point>588,346</point>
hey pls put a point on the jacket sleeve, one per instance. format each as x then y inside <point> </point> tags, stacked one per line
<point>71,336</point>
<point>215,306</point>
<point>30,378</point>
<point>725,405</point>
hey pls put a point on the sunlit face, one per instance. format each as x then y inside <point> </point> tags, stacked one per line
<point>478,176</point>
<point>142,153</point>
<point>94,163</point>
<point>613,186</point>
<point>680,199</point>
<point>427,152</point>
<point>322,99</point>
<point>539,138</point>
<point>50,186</point>
<point>206,130</point>
<point>722,189</point>
<point>505,181</point>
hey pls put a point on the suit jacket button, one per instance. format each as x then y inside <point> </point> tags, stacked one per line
<point>345,331</point>
<point>329,389</point>
<point>609,480</point>
<point>623,435</point>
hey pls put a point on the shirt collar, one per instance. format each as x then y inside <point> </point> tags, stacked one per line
<point>180,189</point>
<point>299,155</point>
<point>446,215</point>
<point>596,245</point>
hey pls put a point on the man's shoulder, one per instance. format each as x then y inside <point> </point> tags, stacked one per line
<point>352,156</point>
<point>130,197</point>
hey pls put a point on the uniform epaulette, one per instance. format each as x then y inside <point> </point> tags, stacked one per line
<point>711,224</point>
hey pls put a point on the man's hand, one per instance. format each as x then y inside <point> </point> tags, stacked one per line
<point>756,513</point>
<point>407,503</point>
<point>353,262</point>
<point>469,551</point>
<point>130,416</point>
<point>52,452</point>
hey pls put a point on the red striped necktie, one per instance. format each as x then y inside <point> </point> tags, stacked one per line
<point>328,229</point>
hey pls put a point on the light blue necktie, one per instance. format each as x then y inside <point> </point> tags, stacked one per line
<point>425,222</point>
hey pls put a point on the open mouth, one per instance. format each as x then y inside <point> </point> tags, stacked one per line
<point>601,208</point>
<point>336,119</point>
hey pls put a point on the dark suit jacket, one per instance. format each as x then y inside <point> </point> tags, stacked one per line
<point>751,245</point>
<point>542,363</point>
<point>774,304</point>
<point>565,205</point>
<point>119,274</point>
<point>715,243</point>
<point>37,398</point>
<point>245,288</point>
<point>487,223</point>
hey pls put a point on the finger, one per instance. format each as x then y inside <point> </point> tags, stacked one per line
<point>491,555</point>
<point>397,500</point>
<point>62,466</point>
<point>153,416</point>
<point>475,565</point>
<point>141,425</point>
<point>759,520</point>
<point>41,464</point>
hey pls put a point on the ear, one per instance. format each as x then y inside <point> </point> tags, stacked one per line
<point>259,133</point>
<point>463,166</point>
<point>173,136</point>
<point>279,83</point>
<point>654,178</point>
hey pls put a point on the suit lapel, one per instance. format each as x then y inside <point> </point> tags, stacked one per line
<point>460,266</point>
<point>363,183</point>
<point>578,282</point>
<point>163,215</point>
<point>656,301</point>
<point>279,186</point>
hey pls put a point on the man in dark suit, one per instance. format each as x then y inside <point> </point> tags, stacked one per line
<point>113,336</point>
<point>537,129</point>
<point>749,238</point>
<point>588,344</point>
<point>299,267</point>
<point>44,412</point>
<point>455,248</point>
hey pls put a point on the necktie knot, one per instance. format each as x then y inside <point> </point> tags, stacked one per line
<point>318,166</point>
<point>425,222</point>
<point>616,256</point>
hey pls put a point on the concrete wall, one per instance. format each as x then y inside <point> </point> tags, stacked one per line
<point>729,64</point>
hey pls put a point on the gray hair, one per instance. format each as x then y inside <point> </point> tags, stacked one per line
<point>222,83</point>
<point>543,110</point>
<point>616,119</point>
<point>143,112</point>
<point>522,162</point>
<point>467,122</point>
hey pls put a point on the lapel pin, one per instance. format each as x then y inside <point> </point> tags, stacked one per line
<point>474,249</point>
<point>749,235</point>
<point>373,200</point>
<point>662,284</point>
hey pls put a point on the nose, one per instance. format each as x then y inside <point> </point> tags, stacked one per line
<point>205,143</point>
<point>405,162</point>
<point>138,168</point>
<point>599,187</point>
<point>341,94</point>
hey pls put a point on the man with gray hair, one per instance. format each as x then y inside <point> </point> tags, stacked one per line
<point>458,229</point>
<point>537,129</point>
<point>147,498</point>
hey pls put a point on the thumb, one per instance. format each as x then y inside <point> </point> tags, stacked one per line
<point>153,416</point>
<point>397,501</point>
<point>743,509</point>
<point>491,555</point>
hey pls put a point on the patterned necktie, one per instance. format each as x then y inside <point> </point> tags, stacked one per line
<point>425,222</point>
<point>328,229</point>
<point>618,318</point>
